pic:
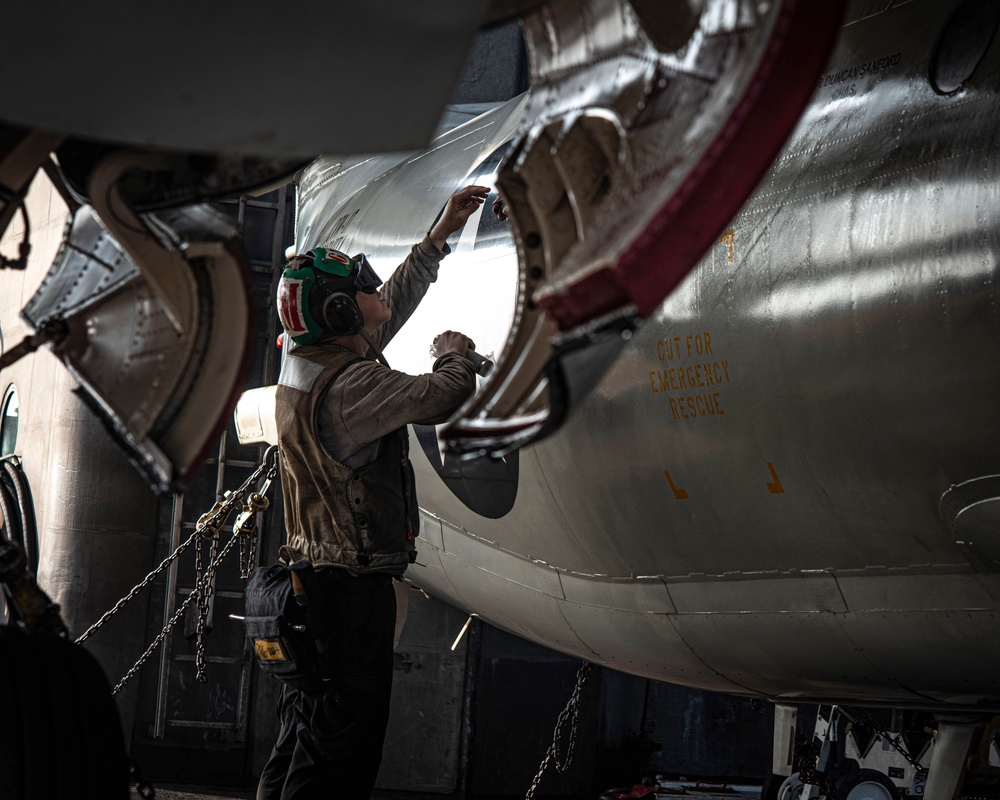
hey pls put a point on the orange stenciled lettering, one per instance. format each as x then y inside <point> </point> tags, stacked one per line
<point>729,240</point>
<point>684,379</point>
<point>707,404</point>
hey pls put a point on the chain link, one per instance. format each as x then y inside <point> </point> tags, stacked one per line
<point>571,714</point>
<point>213,519</point>
<point>246,528</point>
<point>208,527</point>
<point>209,575</point>
<point>247,523</point>
<point>206,585</point>
<point>138,588</point>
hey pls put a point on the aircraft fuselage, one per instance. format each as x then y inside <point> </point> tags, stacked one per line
<point>751,500</point>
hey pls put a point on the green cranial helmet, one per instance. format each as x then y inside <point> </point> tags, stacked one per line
<point>314,278</point>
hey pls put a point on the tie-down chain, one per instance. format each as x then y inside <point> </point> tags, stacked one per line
<point>208,528</point>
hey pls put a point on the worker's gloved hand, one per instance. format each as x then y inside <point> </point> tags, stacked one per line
<point>460,206</point>
<point>452,342</point>
<point>500,209</point>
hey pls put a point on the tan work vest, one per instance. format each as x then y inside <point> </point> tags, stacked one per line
<point>364,519</point>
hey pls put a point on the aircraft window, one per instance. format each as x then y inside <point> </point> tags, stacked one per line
<point>8,422</point>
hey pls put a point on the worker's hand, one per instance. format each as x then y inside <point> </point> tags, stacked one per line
<point>456,213</point>
<point>452,342</point>
<point>500,209</point>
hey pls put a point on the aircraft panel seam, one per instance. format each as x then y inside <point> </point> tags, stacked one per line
<point>810,149</point>
<point>323,182</point>
<point>841,619</point>
<point>508,579</point>
<point>559,509</point>
<point>447,577</point>
<point>866,168</point>
<point>698,656</point>
<point>574,631</point>
<point>451,141</point>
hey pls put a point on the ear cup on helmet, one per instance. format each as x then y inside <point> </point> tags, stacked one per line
<point>340,315</point>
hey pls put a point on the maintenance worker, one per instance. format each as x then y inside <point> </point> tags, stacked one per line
<point>350,504</point>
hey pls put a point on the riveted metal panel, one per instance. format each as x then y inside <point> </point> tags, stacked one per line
<point>648,594</point>
<point>920,592</point>
<point>803,593</point>
<point>503,565</point>
<point>788,655</point>
<point>948,655</point>
<point>524,611</point>
<point>429,570</point>
<point>643,644</point>
<point>430,531</point>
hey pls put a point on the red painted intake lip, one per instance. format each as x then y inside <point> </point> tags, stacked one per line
<point>723,179</point>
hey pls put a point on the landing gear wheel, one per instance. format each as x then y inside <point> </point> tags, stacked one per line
<point>866,784</point>
<point>770,789</point>
<point>790,789</point>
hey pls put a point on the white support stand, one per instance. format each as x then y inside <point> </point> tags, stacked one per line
<point>783,750</point>
<point>951,751</point>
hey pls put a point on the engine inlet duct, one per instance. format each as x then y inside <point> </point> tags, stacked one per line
<point>157,324</point>
<point>647,127</point>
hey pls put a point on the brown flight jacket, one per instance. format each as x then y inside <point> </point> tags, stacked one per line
<point>345,472</point>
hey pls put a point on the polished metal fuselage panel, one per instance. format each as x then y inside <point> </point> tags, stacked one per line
<point>749,501</point>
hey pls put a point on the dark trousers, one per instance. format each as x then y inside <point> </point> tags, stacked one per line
<point>330,742</point>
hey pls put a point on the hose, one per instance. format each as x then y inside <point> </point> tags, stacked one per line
<point>28,530</point>
<point>11,518</point>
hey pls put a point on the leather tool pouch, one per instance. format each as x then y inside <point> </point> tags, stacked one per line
<point>282,627</point>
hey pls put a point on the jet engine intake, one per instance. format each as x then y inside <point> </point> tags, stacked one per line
<point>635,151</point>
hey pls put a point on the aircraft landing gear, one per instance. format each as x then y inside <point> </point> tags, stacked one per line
<point>858,754</point>
<point>836,762</point>
<point>789,789</point>
<point>863,784</point>
<point>866,784</point>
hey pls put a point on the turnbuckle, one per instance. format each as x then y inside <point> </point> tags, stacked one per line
<point>210,522</point>
<point>246,522</point>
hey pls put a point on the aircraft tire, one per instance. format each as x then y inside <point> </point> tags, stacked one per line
<point>779,787</point>
<point>866,784</point>
<point>771,786</point>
